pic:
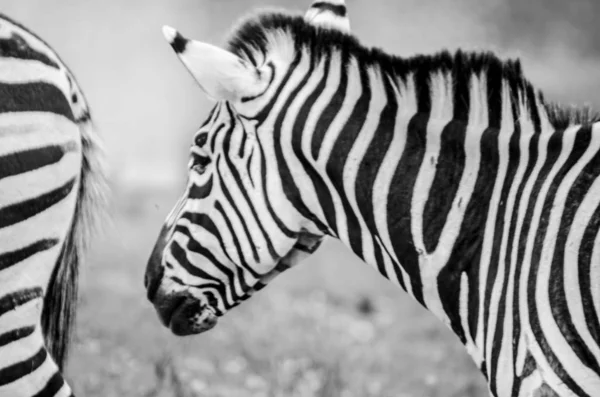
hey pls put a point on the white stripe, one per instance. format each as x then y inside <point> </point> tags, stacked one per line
<point>299,174</point>
<point>331,86</point>
<point>442,106</point>
<point>353,93</point>
<point>490,226</point>
<point>21,71</point>
<point>357,153</point>
<point>407,108</point>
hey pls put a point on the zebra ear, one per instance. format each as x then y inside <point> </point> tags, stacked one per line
<point>221,74</point>
<point>329,13</point>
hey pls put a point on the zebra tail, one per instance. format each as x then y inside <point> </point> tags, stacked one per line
<point>60,302</point>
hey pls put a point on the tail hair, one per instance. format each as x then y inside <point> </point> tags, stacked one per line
<point>60,302</point>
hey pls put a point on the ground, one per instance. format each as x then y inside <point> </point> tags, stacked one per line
<point>330,327</point>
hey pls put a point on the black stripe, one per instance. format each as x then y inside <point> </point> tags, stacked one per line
<point>400,198</point>
<point>17,371</point>
<point>339,10</point>
<point>513,160</point>
<point>249,167</point>
<point>19,212</point>
<point>213,139</point>
<point>339,155</point>
<point>395,265</point>
<point>15,335</point>
<point>449,171</point>
<point>8,259</point>
<point>520,237</point>
<point>461,77</point>
<point>236,242</point>
<point>17,47</point>
<point>495,114</point>
<point>13,300</point>
<point>34,97</point>
<point>52,387</point>
<point>179,43</point>
<point>198,192</point>
<point>450,163</point>
<point>331,110</point>
<point>320,188</point>
<point>242,219</point>
<point>32,159</point>
<point>244,140</point>
<point>515,152</point>
<point>370,166</point>
<point>290,189</point>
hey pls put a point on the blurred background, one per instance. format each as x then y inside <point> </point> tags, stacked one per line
<point>331,327</point>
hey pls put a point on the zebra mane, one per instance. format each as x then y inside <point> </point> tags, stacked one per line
<point>255,36</point>
<point>561,116</point>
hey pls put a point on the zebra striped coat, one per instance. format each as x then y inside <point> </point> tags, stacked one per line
<point>50,184</point>
<point>449,173</point>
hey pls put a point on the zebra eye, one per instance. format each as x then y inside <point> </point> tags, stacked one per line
<point>199,163</point>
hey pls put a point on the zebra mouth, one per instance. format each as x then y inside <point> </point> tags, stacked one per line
<point>190,318</point>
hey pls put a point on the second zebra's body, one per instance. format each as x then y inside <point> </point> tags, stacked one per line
<point>449,173</point>
<point>50,183</point>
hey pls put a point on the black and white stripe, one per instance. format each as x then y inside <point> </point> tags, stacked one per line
<point>50,182</point>
<point>448,173</point>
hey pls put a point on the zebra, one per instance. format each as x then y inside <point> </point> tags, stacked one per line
<point>51,189</point>
<point>449,173</point>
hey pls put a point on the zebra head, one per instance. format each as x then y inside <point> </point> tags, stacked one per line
<point>237,225</point>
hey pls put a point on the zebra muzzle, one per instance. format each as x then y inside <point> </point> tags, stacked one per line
<point>183,314</point>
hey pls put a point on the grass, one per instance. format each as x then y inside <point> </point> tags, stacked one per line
<point>331,327</point>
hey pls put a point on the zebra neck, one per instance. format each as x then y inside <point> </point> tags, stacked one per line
<point>404,173</point>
